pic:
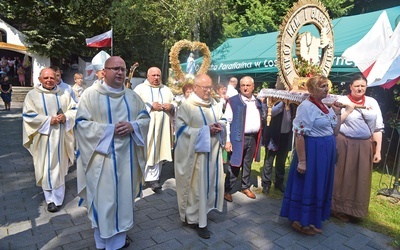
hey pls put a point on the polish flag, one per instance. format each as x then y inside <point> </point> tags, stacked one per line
<point>366,51</point>
<point>100,41</point>
<point>387,65</point>
<point>391,77</point>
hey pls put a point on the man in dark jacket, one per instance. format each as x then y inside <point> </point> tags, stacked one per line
<point>277,138</point>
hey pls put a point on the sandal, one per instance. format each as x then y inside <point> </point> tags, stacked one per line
<point>341,216</point>
<point>317,230</point>
<point>304,230</point>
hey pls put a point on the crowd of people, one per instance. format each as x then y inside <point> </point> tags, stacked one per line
<point>120,139</point>
<point>10,69</point>
<point>13,68</point>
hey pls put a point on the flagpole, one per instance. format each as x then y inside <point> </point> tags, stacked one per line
<point>112,40</point>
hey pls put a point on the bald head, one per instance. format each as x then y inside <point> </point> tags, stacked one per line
<point>247,86</point>
<point>114,72</point>
<point>154,76</point>
<point>203,86</point>
<point>47,77</point>
<point>233,81</point>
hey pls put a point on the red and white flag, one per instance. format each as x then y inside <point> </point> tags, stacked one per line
<point>366,51</point>
<point>100,41</point>
<point>389,58</point>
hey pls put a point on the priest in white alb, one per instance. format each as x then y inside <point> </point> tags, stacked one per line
<point>111,130</point>
<point>199,140</point>
<point>48,121</point>
<point>159,102</point>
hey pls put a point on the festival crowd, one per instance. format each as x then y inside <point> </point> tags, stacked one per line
<point>121,138</point>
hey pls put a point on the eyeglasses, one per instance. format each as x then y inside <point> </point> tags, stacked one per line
<point>156,75</point>
<point>116,69</point>
<point>48,77</point>
<point>204,88</point>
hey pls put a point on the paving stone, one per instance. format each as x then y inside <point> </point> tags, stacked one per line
<point>166,236</point>
<point>163,213</point>
<point>170,244</point>
<point>311,241</point>
<point>60,241</point>
<point>146,243</point>
<point>334,241</point>
<point>245,246</point>
<point>220,245</point>
<point>3,232</point>
<point>19,227</point>
<point>348,230</point>
<point>73,229</point>
<point>288,240</point>
<point>244,223</point>
<point>357,241</point>
<point>267,228</point>
<point>380,242</point>
<point>271,246</point>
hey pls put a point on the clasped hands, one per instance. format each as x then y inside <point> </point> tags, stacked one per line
<point>123,128</point>
<point>58,119</point>
<point>215,128</point>
<point>162,106</point>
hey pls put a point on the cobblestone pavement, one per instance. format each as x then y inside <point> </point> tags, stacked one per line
<point>243,224</point>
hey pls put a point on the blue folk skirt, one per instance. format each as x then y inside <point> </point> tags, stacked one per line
<point>308,196</point>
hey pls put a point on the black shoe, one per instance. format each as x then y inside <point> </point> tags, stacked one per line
<point>203,232</point>
<point>266,190</point>
<point>193,226</point>
<point>280,187</point>
<point>52,208</point>
<point>127,243</point>
<point>155,186</point>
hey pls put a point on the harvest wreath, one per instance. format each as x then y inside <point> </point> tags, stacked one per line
<point>174,57</point>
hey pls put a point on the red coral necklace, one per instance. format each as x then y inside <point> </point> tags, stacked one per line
<point>359,102</point>
<point>319,104</point>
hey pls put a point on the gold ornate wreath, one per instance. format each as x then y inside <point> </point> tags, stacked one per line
<point>174,58</point>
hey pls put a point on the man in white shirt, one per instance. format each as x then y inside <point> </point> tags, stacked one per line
<point>232,87</point>
<point>243,115</point>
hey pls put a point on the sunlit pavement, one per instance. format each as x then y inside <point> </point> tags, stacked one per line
<point>244,223</point>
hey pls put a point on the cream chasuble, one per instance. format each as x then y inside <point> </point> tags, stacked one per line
<point>109,182</point>
<point>199,175</point>
<point>52,153</point>
<point>159,138</point>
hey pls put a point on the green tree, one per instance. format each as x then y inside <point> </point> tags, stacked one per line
<point>151,27</point>
<point>145,30</point>
<point>56,28</point>
<point>249,17</point>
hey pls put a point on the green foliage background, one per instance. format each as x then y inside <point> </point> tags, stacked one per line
<point>145,30</point>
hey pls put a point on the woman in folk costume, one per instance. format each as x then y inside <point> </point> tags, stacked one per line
<point>353,173</point>
<point>308,195</point>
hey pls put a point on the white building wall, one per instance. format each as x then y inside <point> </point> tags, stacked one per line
<point>15,37</point>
